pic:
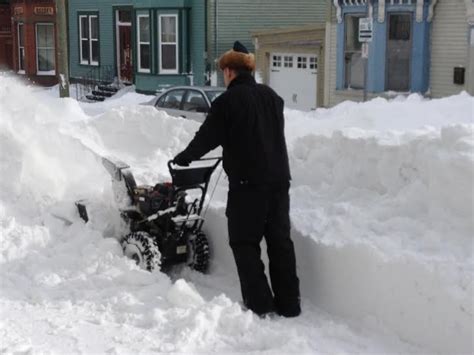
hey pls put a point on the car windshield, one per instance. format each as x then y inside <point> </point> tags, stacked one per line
<point>212,95</point>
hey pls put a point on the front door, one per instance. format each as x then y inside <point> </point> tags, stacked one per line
<point>399,52</point>
<point>124,45</point>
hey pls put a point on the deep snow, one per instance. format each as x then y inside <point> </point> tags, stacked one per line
<point>382,214</point>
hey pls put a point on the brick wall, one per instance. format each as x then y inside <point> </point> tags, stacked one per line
<point>6,42</point>
<point>30,13</point>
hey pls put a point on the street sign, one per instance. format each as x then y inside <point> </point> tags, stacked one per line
<point>365,29</point>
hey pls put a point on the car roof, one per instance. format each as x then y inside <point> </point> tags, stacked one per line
<point>203,88</point>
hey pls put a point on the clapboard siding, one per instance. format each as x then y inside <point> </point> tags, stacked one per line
<point>106,33</point>
<point>198,42</point>
<point>192,45</point>
<point>449,46</point>
<point>236,19</point>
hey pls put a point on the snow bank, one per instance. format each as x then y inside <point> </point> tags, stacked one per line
<point>381,212</point>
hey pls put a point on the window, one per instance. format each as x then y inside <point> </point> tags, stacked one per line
<point>143,43</point>
<point>398,52</point>
<point>354,64</point>
<point>171,100</point>
<point>125,16</point>
<point>399,27</point>
<point>168,44</point>
<point>45,53</point>
<point>195,102</point>
<point>89,39</point>
<point>21,48</point>
<point>212,95</point>
<point>313,62</point>
<point>276,61</point>
<point>288,61</point>
<point>302,62</point>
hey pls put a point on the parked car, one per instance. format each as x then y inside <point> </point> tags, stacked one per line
<point>190,102</point>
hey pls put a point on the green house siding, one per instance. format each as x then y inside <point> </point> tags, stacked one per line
<point>231,20</point>
<point>106,34</point>
<point>191,44</point>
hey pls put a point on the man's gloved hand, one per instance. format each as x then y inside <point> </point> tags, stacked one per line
<point>182,159</point>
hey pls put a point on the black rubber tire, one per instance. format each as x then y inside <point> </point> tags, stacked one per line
<point>143,248</point>
<point>198,252</point>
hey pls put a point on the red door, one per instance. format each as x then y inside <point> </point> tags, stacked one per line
<point>125,53</point>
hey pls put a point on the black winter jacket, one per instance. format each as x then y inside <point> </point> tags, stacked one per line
<point>247,121</point>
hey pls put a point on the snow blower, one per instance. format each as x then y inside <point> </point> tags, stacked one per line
<point>165,225</point>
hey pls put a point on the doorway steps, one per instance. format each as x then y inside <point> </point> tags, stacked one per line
<point>102,92</point>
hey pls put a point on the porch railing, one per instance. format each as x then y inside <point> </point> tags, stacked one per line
<point>103,75</point>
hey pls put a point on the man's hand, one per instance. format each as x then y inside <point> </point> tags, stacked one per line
<point>182,159</point>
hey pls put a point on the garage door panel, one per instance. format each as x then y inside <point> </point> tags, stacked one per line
<point>294,78</point>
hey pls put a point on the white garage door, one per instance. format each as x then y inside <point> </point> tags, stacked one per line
<point>294,77</point>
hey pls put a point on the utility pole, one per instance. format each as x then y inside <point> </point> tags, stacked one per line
<point>62,47</point>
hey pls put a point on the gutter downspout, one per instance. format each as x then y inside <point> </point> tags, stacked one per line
<point>431,10</point>
<point>338,11</point>
<point>216,29</point>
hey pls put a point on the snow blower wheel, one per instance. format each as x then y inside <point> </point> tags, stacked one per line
<point>141,247</point>
<point>198,255</point>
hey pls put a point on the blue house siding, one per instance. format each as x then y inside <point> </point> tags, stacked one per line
<point>191,40</point>
<point>377,61</point>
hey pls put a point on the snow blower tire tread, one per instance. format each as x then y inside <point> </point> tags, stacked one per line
<point>200,260</point>
<point>147,255</point>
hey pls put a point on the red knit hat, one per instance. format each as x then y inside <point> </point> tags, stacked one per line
<point>238,58</point>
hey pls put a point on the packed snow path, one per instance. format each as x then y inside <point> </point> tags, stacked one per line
<point>382,222</point>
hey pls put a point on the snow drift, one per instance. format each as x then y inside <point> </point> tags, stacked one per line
<point>382,223</point>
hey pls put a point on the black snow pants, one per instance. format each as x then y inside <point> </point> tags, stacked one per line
<point>254,212</point>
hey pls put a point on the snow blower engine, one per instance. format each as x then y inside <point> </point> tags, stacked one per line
<point>165,228</point>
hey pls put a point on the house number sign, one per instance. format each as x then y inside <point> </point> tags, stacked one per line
<point>49,11</point>
<point>365,29</point>
<point>17,11</point>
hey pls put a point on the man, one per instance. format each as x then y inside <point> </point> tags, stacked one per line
<point>247,121</point>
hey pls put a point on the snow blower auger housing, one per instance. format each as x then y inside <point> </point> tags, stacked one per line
<point>165,227</point>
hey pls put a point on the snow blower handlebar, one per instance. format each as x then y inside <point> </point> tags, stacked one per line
<point>193,177</point>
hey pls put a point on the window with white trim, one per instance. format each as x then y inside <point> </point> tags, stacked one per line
<point>168,25</point>
<point>276,62</point>
<point>302,62</point>
<point>21,48</point>
<point>144,53</point>
<point>288,61</point>
<point>45,51</point>
<point>89,39</point>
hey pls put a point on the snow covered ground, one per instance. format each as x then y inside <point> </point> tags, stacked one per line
<point>382,214</point>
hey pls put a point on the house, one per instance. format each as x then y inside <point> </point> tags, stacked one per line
<point>231,20</point>
<point>417,46</point>
<point>152,44</point>
<point>452,46</point>
<point>291,61</point>
<point>6,39</point>
<point>34,40</point>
